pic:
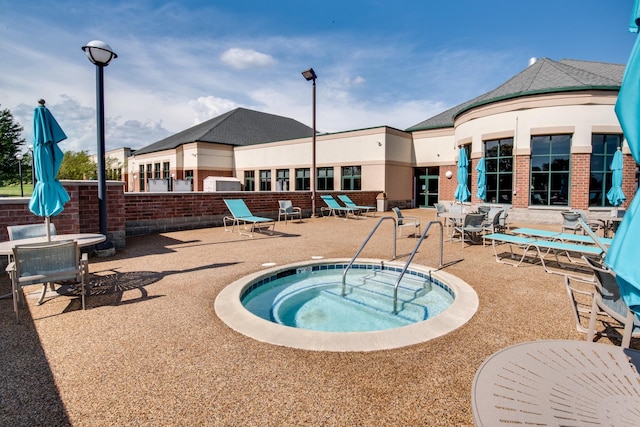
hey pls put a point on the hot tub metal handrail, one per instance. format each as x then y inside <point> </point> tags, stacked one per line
<point>406,266</point>
<point>344,273</point>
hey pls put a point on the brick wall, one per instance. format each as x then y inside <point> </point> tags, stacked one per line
<point>134,214</point>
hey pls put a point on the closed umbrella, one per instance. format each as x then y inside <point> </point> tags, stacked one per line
<point>49,196</point>
<point>482,180</point>
<point>462,193</point>
<point>615,195</point>
<point>624,252</point>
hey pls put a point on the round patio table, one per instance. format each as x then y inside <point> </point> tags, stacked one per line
<point>83,239</point>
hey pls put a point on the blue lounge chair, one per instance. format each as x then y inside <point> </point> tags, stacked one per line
<point>539,247</point>
<point>242,217</point>
<point>335,209</point>
<point>350,204</point>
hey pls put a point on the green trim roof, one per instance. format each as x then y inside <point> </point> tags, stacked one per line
<point>544,76</point>
<point>237,127</point>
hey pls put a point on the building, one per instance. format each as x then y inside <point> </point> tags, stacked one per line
<point>547,136</point>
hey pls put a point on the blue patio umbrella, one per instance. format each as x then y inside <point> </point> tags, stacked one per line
<point>462,193</point>
<point>49,196</point>
<point>615,195</point>
<point>482,180</point>
<point>624,252</point>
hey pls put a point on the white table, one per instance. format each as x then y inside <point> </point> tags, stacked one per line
<point>83,239</point>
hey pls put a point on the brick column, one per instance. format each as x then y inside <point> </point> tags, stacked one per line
<point>522,182</point>
<point>580,178</point>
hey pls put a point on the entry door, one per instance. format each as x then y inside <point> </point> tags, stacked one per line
<point>427,189</point>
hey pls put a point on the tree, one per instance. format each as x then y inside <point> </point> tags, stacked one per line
<point>10,141</point>
<point>77,165</point>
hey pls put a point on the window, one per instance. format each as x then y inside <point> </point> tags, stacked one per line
<point>498,157</point>
<point>603,147</point>
<point>165,170</point>
<point>550,173</point>
<point>188,175</point>
<point>249,181</point>
<point>156,170</point>
<point>351,179</point>
<point>302,179</point>
<point>149,172</point>
<point>325,179</point>
<point>265,180</point>
<point>282,180</point>
<point>141,177</point>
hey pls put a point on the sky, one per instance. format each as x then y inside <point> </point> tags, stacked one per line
<point>379,63</point>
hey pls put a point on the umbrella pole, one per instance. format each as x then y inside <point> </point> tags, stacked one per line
<point>47,222</point>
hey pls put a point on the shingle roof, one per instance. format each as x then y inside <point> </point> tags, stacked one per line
<point>544,76</point>
<point>236,127</point>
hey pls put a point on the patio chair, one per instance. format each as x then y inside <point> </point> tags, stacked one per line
<point>504,219</point>
<point>607,300</point>
<point>402,221</point>
<point>47,262</point>
<point>27,231</point>
<point>557,383</point>
<point>335,209</point>
<point>243,218</point>
<point>470,229</point>
<point>350,204</point>
<point>287,210</point>
<point>440,209</point>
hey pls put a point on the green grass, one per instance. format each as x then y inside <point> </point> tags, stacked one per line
<point>14,190</point>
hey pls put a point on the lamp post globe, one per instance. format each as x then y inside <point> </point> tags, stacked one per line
<point>99,53</point>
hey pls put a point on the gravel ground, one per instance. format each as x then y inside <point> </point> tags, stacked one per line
<point>150,350</point>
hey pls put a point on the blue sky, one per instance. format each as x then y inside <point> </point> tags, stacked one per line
<point>393,63</point>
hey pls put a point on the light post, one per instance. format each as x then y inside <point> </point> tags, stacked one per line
<point>100,54</point>
<point>20,157</point>
<point>311,75</point>
<point>33,169</point>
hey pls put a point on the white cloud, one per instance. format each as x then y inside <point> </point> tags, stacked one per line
<point>208,107</point>
<point>246,58</point>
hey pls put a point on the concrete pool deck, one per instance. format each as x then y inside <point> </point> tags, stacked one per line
<point>150,350</point>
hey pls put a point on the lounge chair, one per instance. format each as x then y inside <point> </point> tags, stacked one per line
<point>243,218</point>
<point>335,209</point>
<point>47,262</point>
<point>287,210</point>
<point>402,221</point>
<point>470,229</point>
<point>540,248</point>
<point>554,383</point>
<point>350,204</point>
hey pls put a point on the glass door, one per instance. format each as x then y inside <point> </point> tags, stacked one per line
<point>427,188</point>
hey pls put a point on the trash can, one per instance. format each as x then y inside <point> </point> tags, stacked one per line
<point>381,200</point>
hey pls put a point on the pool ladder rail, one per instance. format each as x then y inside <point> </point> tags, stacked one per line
<point>406,266</point>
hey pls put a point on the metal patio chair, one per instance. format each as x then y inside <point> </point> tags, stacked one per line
<point>47,262</point>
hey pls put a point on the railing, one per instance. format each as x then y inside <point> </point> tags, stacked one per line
<point>406,266</point>
<point>344,273</point>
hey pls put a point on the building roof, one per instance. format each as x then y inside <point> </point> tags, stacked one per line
<point>544,76</point>
<point>237,127</point>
